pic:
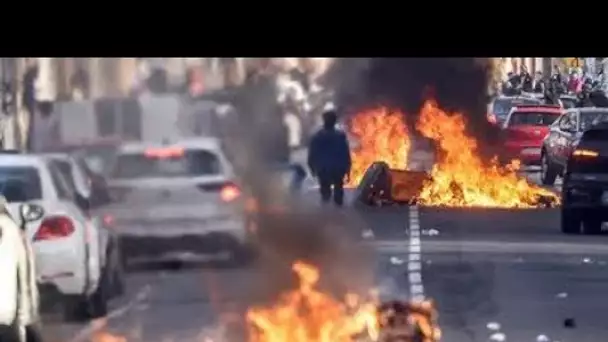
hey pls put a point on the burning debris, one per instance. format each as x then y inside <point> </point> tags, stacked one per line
<point>459,178</point>
<point>307,314</point>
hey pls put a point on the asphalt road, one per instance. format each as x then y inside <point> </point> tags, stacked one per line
<point>493,274</point>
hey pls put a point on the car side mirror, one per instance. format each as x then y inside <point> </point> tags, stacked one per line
<point>30,212</point>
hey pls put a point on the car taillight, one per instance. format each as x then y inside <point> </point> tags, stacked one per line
<point>230,192</point>
<point>585,153</point>
<point>54,227</point>
<point>108,220</point>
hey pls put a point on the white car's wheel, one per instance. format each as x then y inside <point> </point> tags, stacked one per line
<point>82,308</point>
<point>117,272</point>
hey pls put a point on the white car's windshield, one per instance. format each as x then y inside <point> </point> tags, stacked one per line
<point>186,163</point>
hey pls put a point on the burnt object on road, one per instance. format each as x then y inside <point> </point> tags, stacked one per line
<point>382,185</point>
<point>402,321</point>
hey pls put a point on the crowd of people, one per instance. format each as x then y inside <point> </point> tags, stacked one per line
<point>586,88</point>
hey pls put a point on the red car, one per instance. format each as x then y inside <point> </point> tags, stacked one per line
<point>525,128</point>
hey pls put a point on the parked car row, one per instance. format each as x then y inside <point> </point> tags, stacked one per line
<point>546,135</point>
<point>68,259</point>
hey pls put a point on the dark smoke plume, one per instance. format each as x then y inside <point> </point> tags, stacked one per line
<point>288,229</point>
<point>458,84</point>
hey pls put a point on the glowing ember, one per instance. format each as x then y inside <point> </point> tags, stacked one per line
<point>382,136</point>
<point>309,315</point>
<point>461,179</point>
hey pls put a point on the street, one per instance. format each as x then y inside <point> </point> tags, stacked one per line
<point>493,273</point>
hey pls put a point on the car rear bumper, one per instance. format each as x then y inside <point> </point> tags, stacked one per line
<point>592,197</point>
<point>176,243</point>
<point>61,264</point>
<point>528,155</point>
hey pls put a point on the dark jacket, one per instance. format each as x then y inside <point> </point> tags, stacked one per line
<point>527,83</point>
<point>328,153</point>
<point>539,87</point>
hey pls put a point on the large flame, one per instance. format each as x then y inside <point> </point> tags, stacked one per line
<point>308,315</point>
<point>381,135</point>
<point>460,178</point>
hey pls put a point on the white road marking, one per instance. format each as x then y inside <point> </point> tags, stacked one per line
<point>93,326</point>
<point>496,247</point>
<point>414,266</point>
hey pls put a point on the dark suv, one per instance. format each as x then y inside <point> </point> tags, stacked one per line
<point>585,187</point>
<point>563,136</point>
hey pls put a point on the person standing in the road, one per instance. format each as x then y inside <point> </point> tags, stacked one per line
<point>329,159</point>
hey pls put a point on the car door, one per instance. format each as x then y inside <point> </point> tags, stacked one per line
<point>552,140</point>
<point>571,136</point>
<point>67,195</point>
<point>567,129</point>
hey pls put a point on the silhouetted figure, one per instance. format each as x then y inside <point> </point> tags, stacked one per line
<point>329,159</point>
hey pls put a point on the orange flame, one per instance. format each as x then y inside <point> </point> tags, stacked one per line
<point>308,315</point>
<point>382,136</point>
<point>460,178</point>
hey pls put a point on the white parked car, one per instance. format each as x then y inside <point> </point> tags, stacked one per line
<point>74,264</point>
<point>176,202</point>
<point>78,181</point>
<point>19,300</point>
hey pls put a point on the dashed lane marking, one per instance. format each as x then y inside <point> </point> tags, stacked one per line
<point>414,267</point>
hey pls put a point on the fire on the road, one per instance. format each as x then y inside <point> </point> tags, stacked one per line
<point>459,178</point>
<point>308,315</point>
<point>381,135</point>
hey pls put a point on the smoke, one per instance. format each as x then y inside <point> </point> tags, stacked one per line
<point>458,84</point>
<point>289,228</point>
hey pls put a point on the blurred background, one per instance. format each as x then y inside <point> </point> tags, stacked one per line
<point>92,100</point>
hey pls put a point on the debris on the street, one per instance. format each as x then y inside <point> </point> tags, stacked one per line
<point>430,232</point>
<point>498,337</point>
<point>493,326</point>
<point>569,323</point>
<point>367,234</point>
<point>397,261</point>
<point>542,338</point>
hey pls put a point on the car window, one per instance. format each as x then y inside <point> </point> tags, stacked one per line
<point>99,159</point>
<point>502,107</point>
<point>532,118</point>
<point>595,135</point>
<point>67,172</point>
<point>589,119</point>
<point>568,102</point>
<point>570,120</point>
<point>189,163</point>
<point>20,184</point>
<point>64,191</point>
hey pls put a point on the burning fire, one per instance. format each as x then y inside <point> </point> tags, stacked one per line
<point>381,136</point>
<point>309,315</point>
<point>459,178</point>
